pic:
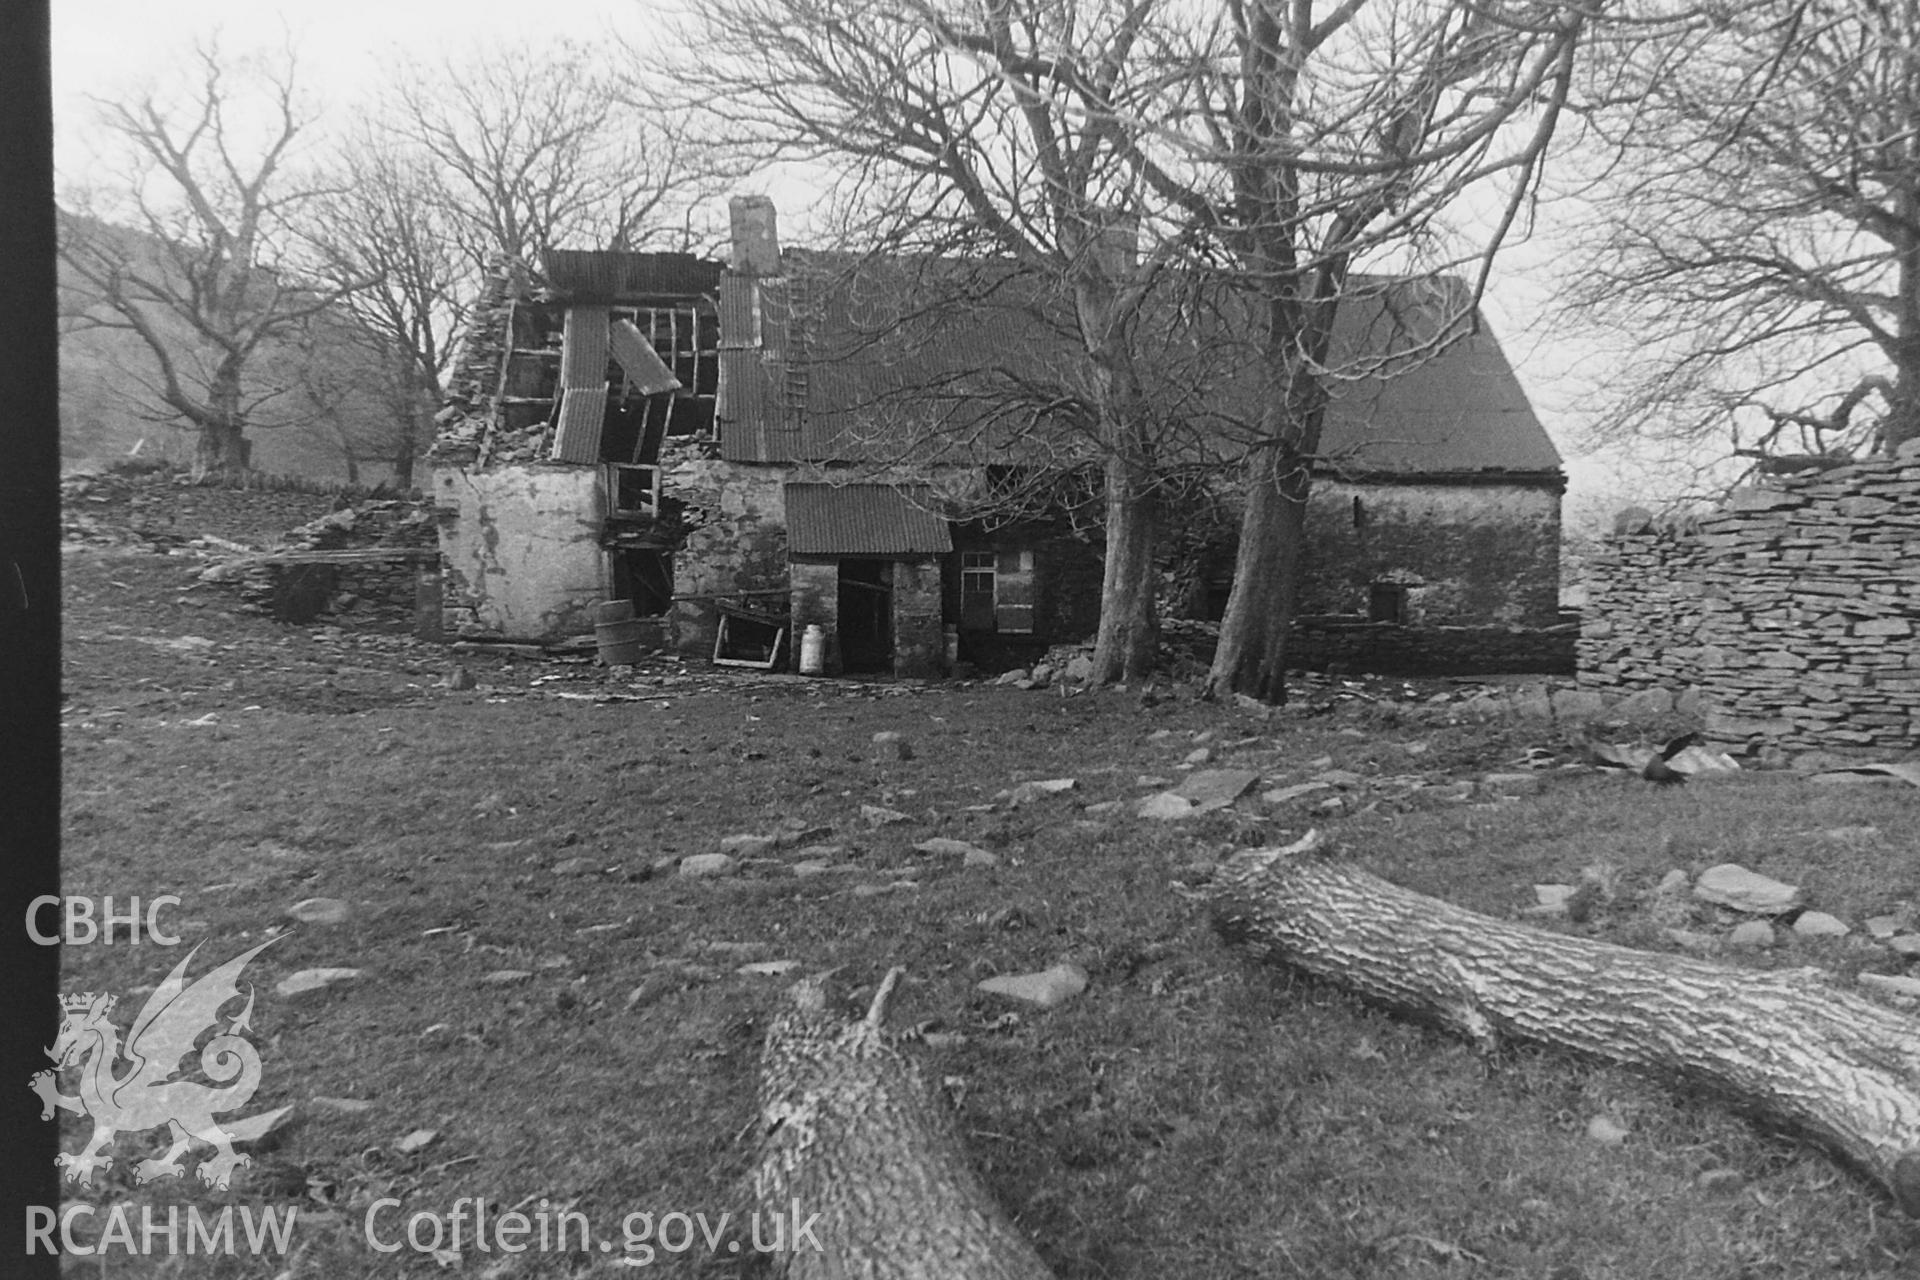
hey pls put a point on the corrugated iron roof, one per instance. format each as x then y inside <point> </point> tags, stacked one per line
<point>613,275</point>
<point>947,385</point>
<point>583,415</point>
<point>583,351</point>
<point>863,520</point>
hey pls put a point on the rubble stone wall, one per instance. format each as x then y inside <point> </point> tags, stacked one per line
<point>1336,644</point>
<point>1794,609</point>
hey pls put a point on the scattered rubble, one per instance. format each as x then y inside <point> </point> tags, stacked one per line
<point>1732,885</point>
<point>707,866</point>
<point>1047,989</point>
<point>310,982</point>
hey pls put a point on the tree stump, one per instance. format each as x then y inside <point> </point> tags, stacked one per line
<point>851,1133</point>
<point>1787,1047</point>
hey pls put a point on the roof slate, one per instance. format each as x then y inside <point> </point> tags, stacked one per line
<point>945,385</point>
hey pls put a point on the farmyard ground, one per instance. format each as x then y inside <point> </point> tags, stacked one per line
<point>1189,1115</point>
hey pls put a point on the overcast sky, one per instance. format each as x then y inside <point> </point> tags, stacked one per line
<point>107,47</point>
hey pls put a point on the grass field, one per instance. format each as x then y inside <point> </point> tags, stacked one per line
<point>570,1020</point>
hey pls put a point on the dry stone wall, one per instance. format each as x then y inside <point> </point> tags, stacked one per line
<point>1794,610</point>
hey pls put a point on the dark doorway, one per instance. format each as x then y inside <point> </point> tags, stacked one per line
<point>866,615</point>
<point>646,578</point>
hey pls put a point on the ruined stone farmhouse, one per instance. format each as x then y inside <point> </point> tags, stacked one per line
<point>742,451</point>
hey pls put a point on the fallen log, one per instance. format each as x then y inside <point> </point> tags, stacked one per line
<point>850,1134</point>
<point>1784,1046</point>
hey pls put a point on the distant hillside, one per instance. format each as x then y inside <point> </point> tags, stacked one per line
<point>106,411</point>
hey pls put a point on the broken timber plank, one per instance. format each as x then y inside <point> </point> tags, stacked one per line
<point>1783,1045</point>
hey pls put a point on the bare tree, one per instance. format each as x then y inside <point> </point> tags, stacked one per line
<point>527,154</point>
<point>1753,228</point>
<point>352,386</point>
<point>1263,151</point>
<point>388,235</point>
<point>199,268</point>
<point>1325,137</point>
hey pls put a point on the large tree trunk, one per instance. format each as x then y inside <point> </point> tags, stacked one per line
<point>1785,1046</point>
<point>1129,633</point>
<point>1251,657</point>
<point>851,1133</point>
<point>222,444</point>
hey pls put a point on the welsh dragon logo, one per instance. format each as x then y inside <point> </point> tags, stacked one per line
<point>146,1095</point>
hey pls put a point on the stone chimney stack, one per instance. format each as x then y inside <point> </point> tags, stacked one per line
<point>756,243</point>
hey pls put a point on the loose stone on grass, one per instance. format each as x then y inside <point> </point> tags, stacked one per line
<point>747,846</point>
<point>1046,989</point>
<point>1298,791</point>
<point>1217,788</point>
<point>308,982</point>
<point>1732,885</point>
<point>319,911</point>
<point>888,745</point>
<point>970,855</point>
<point>1755,934</point>
<point>1818,924</point>
<point>1606,1131</point>
<point>879,816</point>
<point>1551,899</point>
<point>768,968</point>
<point>1028,792</point>
<point>418,1140</point>
<point>1905,944</point>
<point>1166,806</point>
<point>708,866</point>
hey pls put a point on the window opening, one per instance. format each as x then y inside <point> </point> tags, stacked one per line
<point>686,337</point>
<point>996,590</point>
<point>633,490</point>
<point>1387,602</point>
